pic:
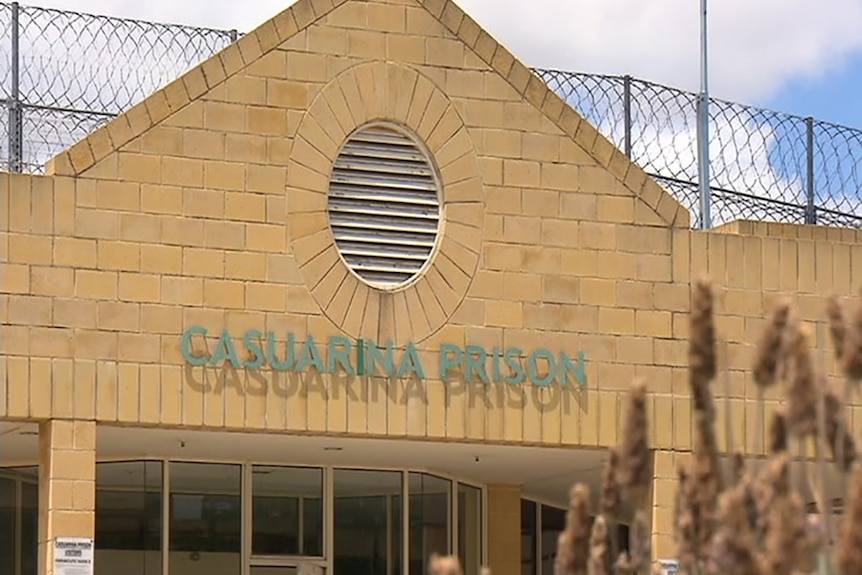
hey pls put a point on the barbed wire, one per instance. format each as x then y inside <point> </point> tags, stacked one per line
<point>764,165</point>
<point>77,71</point>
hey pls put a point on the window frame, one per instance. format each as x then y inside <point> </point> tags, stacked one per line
<point>325,561</point>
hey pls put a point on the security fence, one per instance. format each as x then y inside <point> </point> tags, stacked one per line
<point>63,74</point>
<point>764,165</point>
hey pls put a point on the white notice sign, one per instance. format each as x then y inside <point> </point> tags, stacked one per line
<point>669,566</point>
<point>73,556</point>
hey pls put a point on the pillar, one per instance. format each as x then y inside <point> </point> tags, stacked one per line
<point>67,484</point>
<point>504,529</point>
<point>663,500</point>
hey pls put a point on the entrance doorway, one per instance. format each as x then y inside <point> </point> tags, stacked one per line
<point>19,517</point>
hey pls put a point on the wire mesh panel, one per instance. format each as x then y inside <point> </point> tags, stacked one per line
<point>764,165</point>
<point>663,126</point>
<point>49,131</point>
<point>5,53</point>
<point>97,63</point>
<point>837,175</point>
<point>77,71</point>
<point>597,98</point>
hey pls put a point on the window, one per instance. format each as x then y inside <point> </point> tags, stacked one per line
<point>541,526</point>
<point>470,528</point>
<point>553,523</point>
<point>287,511</point>
<point>529,563</point>
<point>205,518</point>
<point>19,518</point>
<point>8,524</point>
<point>129,518</point>
<point>195,518</point>
<point>368,522</point>
<point>430,503</point>
<point>384,205</point>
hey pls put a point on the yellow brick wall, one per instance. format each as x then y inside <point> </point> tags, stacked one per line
<point>67,485</point>
<point>663,500</point>
<point>212,212</point>
<point>753,268</point>
<point>188,223</point>
<point>504,529</point>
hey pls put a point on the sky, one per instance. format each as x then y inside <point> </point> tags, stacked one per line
<point>796,56</point>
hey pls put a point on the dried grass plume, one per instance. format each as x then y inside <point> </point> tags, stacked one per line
<point>573,544</point>
<point>852,353</point>
<point>634,468</point>
<point>766,365</point>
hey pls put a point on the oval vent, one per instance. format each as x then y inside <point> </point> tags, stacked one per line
<point>384,205</point>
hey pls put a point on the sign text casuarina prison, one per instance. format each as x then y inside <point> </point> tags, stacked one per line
<point>365,357</point>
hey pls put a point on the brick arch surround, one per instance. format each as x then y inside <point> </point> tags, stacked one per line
<point>397,93</point>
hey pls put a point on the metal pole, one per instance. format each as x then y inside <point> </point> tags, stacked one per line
<point>810,212</point>
<point>15,124</point>
<point>233,35</point>
<point>703,131</point>
<point>627,113</point>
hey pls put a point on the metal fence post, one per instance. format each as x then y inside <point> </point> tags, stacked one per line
<point>810,209</point>
<point>704,183</point>
<point>233,35</point>
<point>627,114</point>
<point>16,132</point>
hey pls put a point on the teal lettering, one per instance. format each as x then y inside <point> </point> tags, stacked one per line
<point>376,356</point>
<point>475,360</point>
<point>533,368</point>
<point>339,353</point>
<point>360,356</point>
<point>451,357</point>
<point>186,346</point>
<point>578,369</point>
<point>513,357</point>
<point>250,340</point>
<point>507,365</point>
<point>411,363</point>
<point>272,352</point>
<point>310,356</point>
<point>225,350</point>
<point>495,365</point>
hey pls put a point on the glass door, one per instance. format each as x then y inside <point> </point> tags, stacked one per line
<point>367,525</point>
<point>287,507</point>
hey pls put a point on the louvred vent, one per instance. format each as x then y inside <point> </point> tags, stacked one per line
<point>384,205</point>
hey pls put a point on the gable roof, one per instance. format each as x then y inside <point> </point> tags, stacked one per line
<point>216,69</point>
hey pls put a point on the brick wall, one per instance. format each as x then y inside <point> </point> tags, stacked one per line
<point>189,211</point>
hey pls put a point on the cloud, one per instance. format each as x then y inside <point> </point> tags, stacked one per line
<point>757,158</point>
<point>740,161</point>
<point>755,47</point>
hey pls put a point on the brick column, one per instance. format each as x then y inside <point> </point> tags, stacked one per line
<point>504,529</point>
<point>67,484</point>
<point>663,497</point>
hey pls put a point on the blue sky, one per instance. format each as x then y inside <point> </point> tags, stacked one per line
<point>832,97</point>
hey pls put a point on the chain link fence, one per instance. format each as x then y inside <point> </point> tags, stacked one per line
<point>764,165</point>
<point>63,74</point>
